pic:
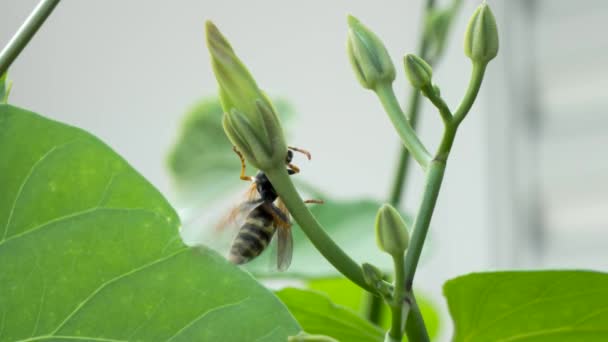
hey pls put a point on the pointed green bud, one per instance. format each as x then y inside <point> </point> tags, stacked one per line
<point>437,26</point>
<point>418,71</point>
<point>304,337</point>
<point>368,56</point>
<point>392,235</point>
<point>250,120</point>
<point>481,38</point>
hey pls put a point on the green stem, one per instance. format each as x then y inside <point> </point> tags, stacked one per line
<point>434,178</point>
<point>313,230</point>
<point>472,91</point>
<point>398,311</point>
<point>402,125</point>
<point>372,307</point>
<point>414,326</point>
<point>25,33</point>
<point>404,160</point>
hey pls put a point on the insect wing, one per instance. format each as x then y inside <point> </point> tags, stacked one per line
<point>237,215</point>
<point>285,248</point>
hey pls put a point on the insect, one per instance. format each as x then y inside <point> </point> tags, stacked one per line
<point>264,218</point>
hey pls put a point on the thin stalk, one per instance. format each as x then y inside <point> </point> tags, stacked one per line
<point>469,97</point>
<point>398,310</point>
<point>402,125</point>
<point>372,307</point>
<point>313,230</point>
<point>421,224</point>
<point>414,326</point>
<point>25,33</point>
<point>404,160</point>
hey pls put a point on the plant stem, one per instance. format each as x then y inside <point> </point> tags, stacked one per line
<point>372,307</point>
<point>313,230</point>
<point>25,33</point>
<point>472,91</point>
<point>434,178</point>
<point>398,311</point>
<point>414,326</point>
<point>404,160</point>
<point>402,125</point>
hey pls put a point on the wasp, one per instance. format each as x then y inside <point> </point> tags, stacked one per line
<point>264,218</point>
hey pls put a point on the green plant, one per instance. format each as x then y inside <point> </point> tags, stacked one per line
<point>89,250</point>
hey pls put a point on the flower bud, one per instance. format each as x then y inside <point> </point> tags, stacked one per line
<point>250,120</point>
<point>391,232</point>
<point>368,56</point>
<point>481,38</point>
<point>418,71</point>
<point>304,337</point>
<point>437,26</point>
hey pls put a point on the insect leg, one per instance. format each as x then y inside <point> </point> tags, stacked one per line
<point>315,201</point>
<point>304,152</point>
<point>243,166</point>
<point>293,169</point>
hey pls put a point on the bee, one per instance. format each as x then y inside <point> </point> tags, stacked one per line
<point>264,218</point>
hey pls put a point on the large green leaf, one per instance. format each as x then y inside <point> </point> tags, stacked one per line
<point>350,224</point>
<point>344,292</point>
<point>89,250</point>
<point>529,306</point>
<point>318,315</point>
<point>202,162</point>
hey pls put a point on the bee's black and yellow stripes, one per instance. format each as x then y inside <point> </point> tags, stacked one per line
<point>253,237</point>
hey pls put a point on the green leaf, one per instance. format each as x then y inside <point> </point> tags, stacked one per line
<point>529,306</point>
<point>202,162</point>
<point>90,250</point>
<point>344,292</point>
<point>350,224</point>
<point>318,315</point>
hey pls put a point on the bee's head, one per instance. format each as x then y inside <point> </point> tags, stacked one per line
<point>289,157</point>
<point>264,187</point>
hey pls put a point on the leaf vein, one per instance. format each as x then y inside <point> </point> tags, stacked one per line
<point>111,281</point>
<point>71,216</point>
<point>205,314</point>
<point>26,179</point>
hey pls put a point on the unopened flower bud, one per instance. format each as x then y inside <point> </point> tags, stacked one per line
<point>418,71</point>
<point>437,26</point>
<point>250,120</point>
<point>368,56</point>
<point>481,38</point>
<point>391,232</point>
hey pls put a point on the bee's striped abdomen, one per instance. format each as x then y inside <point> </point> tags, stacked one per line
<point>253,237</point>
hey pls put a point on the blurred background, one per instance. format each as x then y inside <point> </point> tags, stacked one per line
<point>526,185</point>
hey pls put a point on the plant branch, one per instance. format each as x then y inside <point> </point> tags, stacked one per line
<point>439,103</point>
<point>25,33</point>
<point>414,326</point>
<point>402,125</point>
<point>434,178</point>
<point>313,230</point>
<point>399,307</point>
<point>404,160</point>
<point>472,91</point>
